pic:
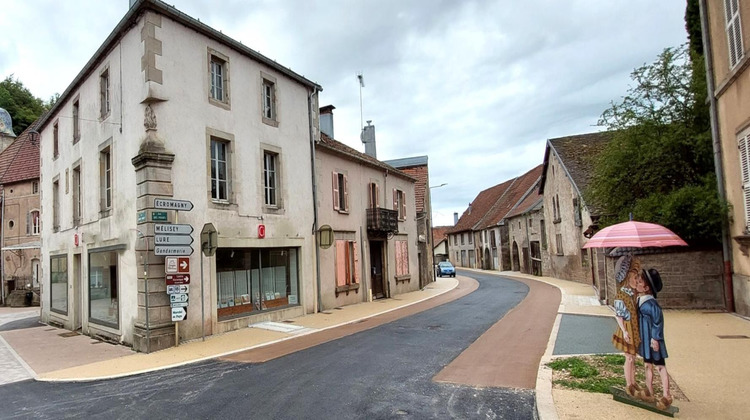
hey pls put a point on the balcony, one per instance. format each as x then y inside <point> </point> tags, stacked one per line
<point>382,221</point>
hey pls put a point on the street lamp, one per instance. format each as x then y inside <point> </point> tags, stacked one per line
<point>432,236</point>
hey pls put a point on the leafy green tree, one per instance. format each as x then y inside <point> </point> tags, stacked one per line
<point>23,107</point>
<point>659,163</point>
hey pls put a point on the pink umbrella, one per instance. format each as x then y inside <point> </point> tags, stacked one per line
<point>634,234</point>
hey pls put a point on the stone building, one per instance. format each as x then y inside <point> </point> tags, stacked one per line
<point>20,214</point>
<point>528,236</point>
<point>167,115</point>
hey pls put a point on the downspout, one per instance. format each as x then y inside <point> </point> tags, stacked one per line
<point>319,300</point>
<point>725,239</point>
<point>2,243</point>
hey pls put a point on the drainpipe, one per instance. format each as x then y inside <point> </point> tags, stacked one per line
<point>725,238</point>
<point>319,300</point>
<point>2,243</point>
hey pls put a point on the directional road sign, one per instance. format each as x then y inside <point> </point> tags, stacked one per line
<point>166,228</point>
<point>173,239</point>
<point>178,279</point>
<point>169,204</point>
<point>175,265</point>
<point>163,250</point>
<point>173,289</point>
<point>179,314</point>
<point>178,304</point>
<point>178,297</point>
<point>209,239</point>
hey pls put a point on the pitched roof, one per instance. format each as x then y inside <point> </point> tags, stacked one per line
<point>127,23</point>
<point>533,201</point>
<point>416,167</point>
<point>20,161</point>
<point>440,233</point>
<point>408,161</point>
<point>480,206</point>
<point>522,187</point>
<point>577,155</point>
<point>336,147</point>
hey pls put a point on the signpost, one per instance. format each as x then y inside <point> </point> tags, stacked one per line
<point>173,239</point>
<point>165,250</point>
<point>175,265</point>
<point>177,288</point>
<point>209,243</point>
<point>170,204</point>
<point>173,279</point>
<point>167,229</point>
<point>179,314</point>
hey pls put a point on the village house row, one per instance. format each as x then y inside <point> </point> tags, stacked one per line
<point>169,108</point>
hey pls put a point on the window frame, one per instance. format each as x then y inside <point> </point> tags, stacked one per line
<point>105,99</point>
<point>347,263</point>
<point>402,259</point>
<point>733,29</point>
<point>271,176</point>
<point>373,195</point>
<point>106,179</point>
<point>268,100</point>
<point>55,140</point>
<point>77,195</point>
<point>118,281</point>
<point>743,146</point>
<point>399,203</point>
<point>222,62</point>
<point>76,120</point>
<point>35,223</point>
<point>559,244</point>
<point>64,258</point>
<point>340,184</point>
<point>56,204</point>
<point>219,144</point>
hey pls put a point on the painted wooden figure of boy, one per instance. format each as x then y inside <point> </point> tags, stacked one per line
<point>653,349</point>
<point>627,337</point>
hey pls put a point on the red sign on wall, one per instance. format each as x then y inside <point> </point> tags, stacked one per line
<point>173,279</point>
<point>261,231</point>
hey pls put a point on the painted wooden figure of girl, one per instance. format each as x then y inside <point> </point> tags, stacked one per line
<point>627,337</point>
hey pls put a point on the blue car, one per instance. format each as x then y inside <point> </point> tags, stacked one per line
<point>445,268</point>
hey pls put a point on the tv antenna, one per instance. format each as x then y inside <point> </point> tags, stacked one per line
<point>361,79</point>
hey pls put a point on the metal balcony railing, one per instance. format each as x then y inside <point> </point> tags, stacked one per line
<point>382,220</point>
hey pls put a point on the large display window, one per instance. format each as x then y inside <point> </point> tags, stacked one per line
<point>255,280</point>
<point>58,290</point>
<point>103,288</point>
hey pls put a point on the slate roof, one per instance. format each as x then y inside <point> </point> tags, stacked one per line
<point>20,161</point>
<point>417,168</point>
<point>577,154</point>
<point>340,149</point>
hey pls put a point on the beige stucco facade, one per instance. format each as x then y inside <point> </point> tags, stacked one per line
<point>157,58</point>
<point>21,239</point>
<point>732,92</point>
<point>350,224</point>
<point>529,245</point>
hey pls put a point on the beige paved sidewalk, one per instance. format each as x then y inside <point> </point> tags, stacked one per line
<point>243,339</point>
<point>709,359</point>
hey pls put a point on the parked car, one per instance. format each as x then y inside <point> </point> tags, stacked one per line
<point>445,268</point>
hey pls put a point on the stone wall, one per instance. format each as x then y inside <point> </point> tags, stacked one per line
<point>692,279</point>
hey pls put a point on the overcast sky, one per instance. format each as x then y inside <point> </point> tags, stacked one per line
<point>478,86</point>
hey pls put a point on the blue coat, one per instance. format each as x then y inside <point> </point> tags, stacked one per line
<point>651,326</point>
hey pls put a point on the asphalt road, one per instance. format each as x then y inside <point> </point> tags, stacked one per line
<point>383,372</point>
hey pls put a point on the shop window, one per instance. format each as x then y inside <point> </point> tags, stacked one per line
<point>254,280</point>
<point>59,284</point>
<point>103,288</point>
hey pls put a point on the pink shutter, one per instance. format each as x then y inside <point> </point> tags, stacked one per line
<point>377,196</point>
<point>335,191</point>
<point>395,199</point>
<point>341,262</point>
<point>345,204</point>
<point>357,265</point>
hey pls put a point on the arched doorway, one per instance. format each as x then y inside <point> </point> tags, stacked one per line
<point>516,258</point>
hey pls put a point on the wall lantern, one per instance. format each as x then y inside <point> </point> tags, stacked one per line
<point>325,236</point>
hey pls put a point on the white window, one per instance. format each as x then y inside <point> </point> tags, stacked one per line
<point>76,195</point>
<point>373,196</point>
<point>340,192</point>
<point>35,187</point>
<point>219,170</point>
<point>104,102</point>
<point>56,205</point>
<point>270,178</point>
<point>269,99</point>
<point>399,203</point>
<point>105,179</point>
<point>34,223</point>
<point>734,32</point>
<point>744,152</point>
<point>218,78</point>
<point>55,141</point>
<point>76,125</point>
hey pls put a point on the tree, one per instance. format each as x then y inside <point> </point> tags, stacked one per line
<point>23,107</point>
<point>659,164</point>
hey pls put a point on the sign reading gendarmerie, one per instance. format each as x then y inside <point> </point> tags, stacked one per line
<point>169,204</point>
<point>164,250</point>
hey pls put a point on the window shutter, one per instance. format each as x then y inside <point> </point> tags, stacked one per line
<point>28,223</point>
<point>734,32</point>
<point>341,263</point>
<point>745,170</point>
<point>357,265</point>
<point>377,196</point>
<point>335,191</point>
<point>403,206</point>
<point>370,195</point>
<point>395,199</point>
<point>345,204</point>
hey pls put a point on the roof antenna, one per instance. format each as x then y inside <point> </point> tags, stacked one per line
<point>361,79</point>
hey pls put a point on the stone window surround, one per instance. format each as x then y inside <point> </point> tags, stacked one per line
<point>105,74</point>
<point>265,79</point>
<point>77,197</point>
<point>56,203</point>
<point>226,101</point>
<point>230,203</point>
<point>76,112</point>
<point>106,148</point>
<point>279,207</point>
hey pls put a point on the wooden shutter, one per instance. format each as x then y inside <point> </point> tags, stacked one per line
<point>403,206</point>
<point>402,258</point>
<point>336,204</point>
<point>745,170</point>
<point>28,223</point>
<point>341,251</point>
<point>345,204</point>
<point>357,264</point>
<point>377,196</point>
<point>395,199</point>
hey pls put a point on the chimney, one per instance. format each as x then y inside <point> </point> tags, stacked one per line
<point>326,120</point>
<point>455,218</point>
<point>368,138</point>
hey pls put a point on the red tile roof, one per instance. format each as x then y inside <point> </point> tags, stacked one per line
<point>531,201</point>
<point>494,204</point>
<point>20,161</point>
<point>440,233</point>
<point>336,147</point>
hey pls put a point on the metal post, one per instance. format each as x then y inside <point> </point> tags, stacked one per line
<point>145,289</point>
<point>203,316</point>
<point>2,243</point>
